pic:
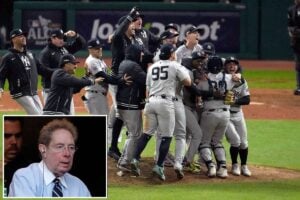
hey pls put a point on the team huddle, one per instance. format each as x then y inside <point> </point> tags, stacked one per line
<point>160,87</point>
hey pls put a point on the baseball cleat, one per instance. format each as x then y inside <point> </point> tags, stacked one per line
<point>222,172</point>
<point>192,168</point>
<point>297,92</point>
<point>235,170</point>
<point>178,170</point>
<point>135,170</point>
<point>211,170</point>
<point>245,170</point>
<point>159,172</point>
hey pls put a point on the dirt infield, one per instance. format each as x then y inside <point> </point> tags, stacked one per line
<point>259,173</point>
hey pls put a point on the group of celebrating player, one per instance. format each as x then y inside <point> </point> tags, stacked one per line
<point>159,86</point>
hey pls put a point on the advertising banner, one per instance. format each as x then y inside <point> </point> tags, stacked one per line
<point>38,24</point>
<point>222,28</point>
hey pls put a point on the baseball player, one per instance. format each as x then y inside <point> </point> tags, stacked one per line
<point>131,101</point>
<point>215,116</point>
<point>21,69</point>
<point>159,112</point>
<point>191,43</point>
<point>121,39</point>
<point>167,37</point>
<point>147,39</point>
<point>95,99</point>
<point>190,107</point>
<point>294,33</point>
<point>51,54</point>
<point>174,28</point>
<point>236,132</point>
<point>64,85</point>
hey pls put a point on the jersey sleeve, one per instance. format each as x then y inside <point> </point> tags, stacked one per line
<point>182,72</point>
<point>95,66</point>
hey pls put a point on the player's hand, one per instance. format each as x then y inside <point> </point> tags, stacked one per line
<point>70,33</point>
<point>127,79</point>
<point>1,94</point>
<point>99,80</point>
<point>236,77</point>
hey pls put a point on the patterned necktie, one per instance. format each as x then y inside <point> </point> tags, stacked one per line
<point>57,191</point>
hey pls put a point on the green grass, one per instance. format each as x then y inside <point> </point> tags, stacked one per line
<point>277,190</point>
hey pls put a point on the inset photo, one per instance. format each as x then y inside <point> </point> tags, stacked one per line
<point>54,156</point>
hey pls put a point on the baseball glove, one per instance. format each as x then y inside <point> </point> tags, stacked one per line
<point>229,98</point>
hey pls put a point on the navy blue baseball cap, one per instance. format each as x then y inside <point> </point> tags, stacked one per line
<point>94,43</point>
<point>16,32</point>
<point>172,25</point>
<point>166,50</point>
<point>198,55</point>
<point>67,58</point>
<point>57,33</point>
<point>167,34</point>
<point>194,29</point>
<point>209,48</point>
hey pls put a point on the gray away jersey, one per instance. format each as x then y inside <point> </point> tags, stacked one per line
<point>183,52</point>
<point>95,65</point>
<point>162,77</point>
<point>217,83</point>
<point>239,92</point>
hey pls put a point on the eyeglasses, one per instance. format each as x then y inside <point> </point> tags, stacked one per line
<point>61,147</point>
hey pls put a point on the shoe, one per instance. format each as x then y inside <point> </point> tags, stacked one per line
<point>297,92</point>
<point>211,170</point>
<point>178,170</point>
<point>124,167</point>
<point>192,168</point>
<point>235,170</point>
<point>159,172</point>
<point>169,160</point>
<point>114,153</point>
<point>245,171</point>
<point>222,172</point>
<point>135,170</point>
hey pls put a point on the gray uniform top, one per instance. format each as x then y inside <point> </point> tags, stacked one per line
<point>162,77</point>
<point>184,52</point>
<point>239,92</point>
<point>216,80</point>
<point>95,65</point>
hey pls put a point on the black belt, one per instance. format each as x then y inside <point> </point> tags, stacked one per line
<point>212,110</point>
<point>96,92</point>
<point>234,111</point>
<point>163,96</point>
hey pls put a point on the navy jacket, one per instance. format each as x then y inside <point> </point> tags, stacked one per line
<point>132,97</point>
<point>63,86</point>
<point>21,69</point>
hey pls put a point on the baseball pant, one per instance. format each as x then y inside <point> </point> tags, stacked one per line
<point>193,129</point>
<point>213,124</point>
<point>236,132</point>
<point>134,124</point>
<point>96,103</point>
<point>31,104</point>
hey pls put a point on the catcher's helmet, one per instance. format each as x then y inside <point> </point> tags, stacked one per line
<point>214,64</point>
